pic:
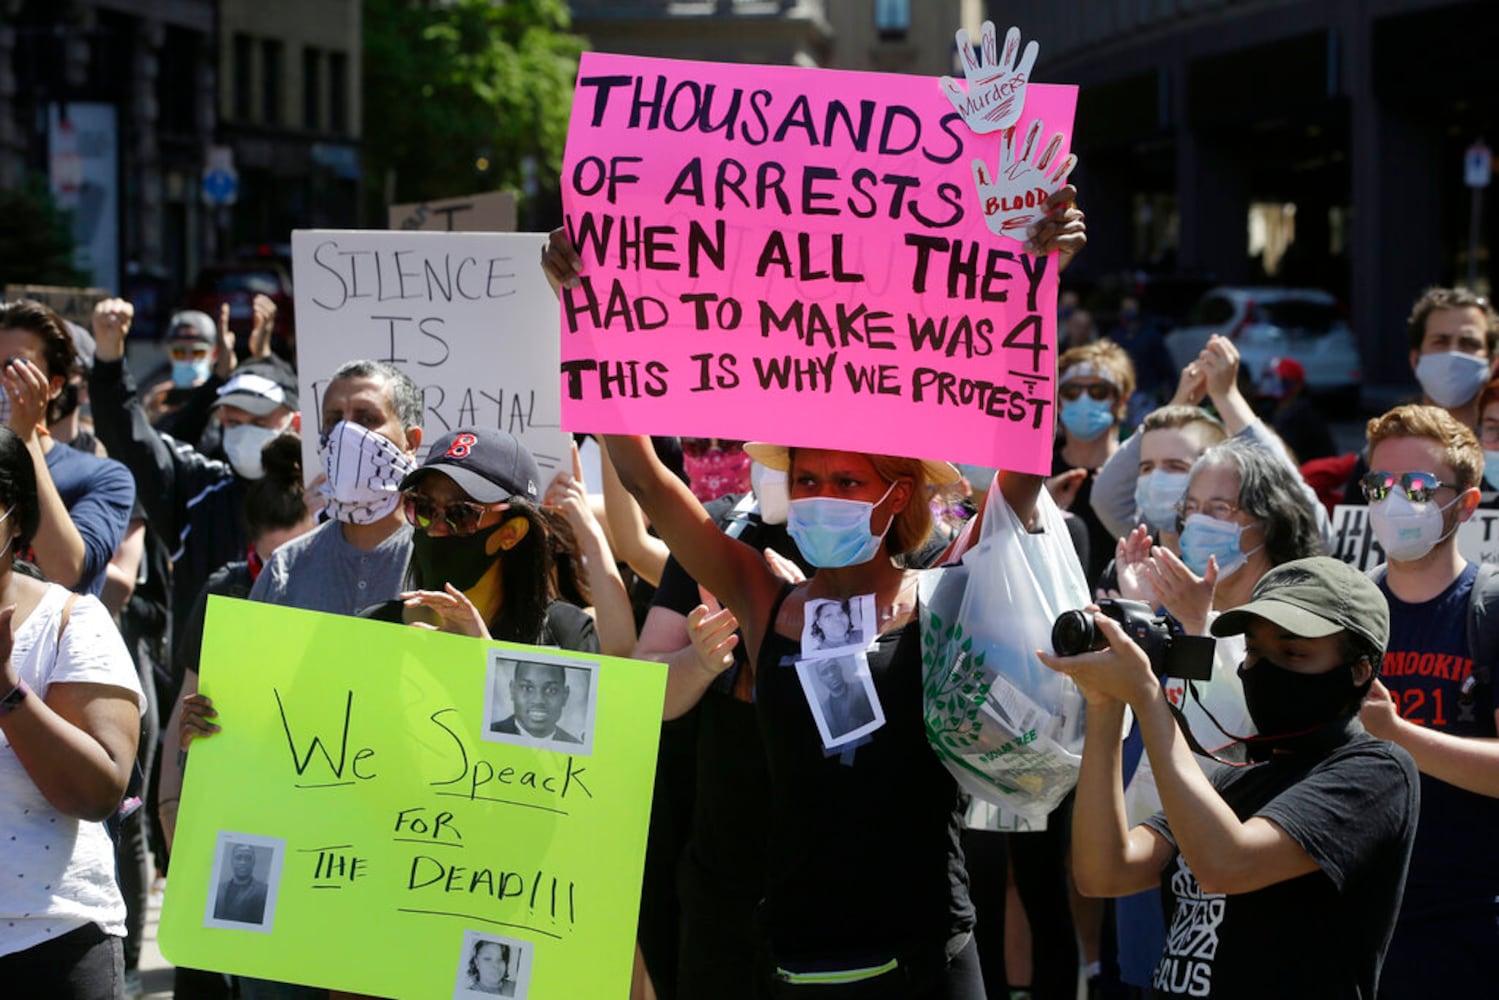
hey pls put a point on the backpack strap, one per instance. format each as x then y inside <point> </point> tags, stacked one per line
<point>1483,623</point>
<point>67,612</point>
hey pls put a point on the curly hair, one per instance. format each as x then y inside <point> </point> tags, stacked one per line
<point>1452,298</point>
<point>1272,494</point>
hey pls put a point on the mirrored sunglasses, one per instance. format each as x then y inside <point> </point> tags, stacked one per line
<point>1418,487</point>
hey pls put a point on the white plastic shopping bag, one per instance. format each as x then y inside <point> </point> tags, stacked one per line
<point>1007,727</point>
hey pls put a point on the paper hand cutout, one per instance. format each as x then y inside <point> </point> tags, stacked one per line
<point>1014,198</point>
<point>996,86</point>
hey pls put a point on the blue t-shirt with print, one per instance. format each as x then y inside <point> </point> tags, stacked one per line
<point>1447,940</point>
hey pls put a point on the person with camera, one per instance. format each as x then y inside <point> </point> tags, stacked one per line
<point>1283,876</point>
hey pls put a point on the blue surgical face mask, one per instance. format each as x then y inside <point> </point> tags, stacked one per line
<point>1156,496</point>
<point>186,374</point>
<point>1086,418</point>
<point>1203,537</point>
<point>832,532</point>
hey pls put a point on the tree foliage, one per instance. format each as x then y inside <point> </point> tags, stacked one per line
<point>36,239</point>
<point>451,83</point>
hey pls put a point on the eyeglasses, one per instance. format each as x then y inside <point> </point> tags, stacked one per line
<point>461,516</point>
<point>187,353</point>
<point>1218,510</point>
<point>1095,390</point>
<point>1418,487</point>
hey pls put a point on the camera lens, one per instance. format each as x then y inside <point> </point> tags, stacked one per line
<point>1073,633</point>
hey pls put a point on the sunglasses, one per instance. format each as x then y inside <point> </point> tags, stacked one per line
<point>1418,487</point>
<point>1097,390</point>
<point>461,516</point>
<point>187,353</point>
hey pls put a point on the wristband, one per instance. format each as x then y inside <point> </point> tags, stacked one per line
<point>14,700</point>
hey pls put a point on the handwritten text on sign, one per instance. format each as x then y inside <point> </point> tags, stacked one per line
<point>400,812</point>
<point>467,315</point>
<point>800,256</point>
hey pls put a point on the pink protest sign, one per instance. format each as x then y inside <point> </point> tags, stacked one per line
<point>810,257</point>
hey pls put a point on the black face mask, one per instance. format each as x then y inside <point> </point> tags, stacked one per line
<point>457,559</point>
<point>1284,703</point>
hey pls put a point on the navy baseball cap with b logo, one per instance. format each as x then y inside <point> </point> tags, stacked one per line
<point>488,465</point>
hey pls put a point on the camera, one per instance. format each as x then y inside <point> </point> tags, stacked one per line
<point>1171,653</point>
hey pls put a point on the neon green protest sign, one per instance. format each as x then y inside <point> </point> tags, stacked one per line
<point>404,813</point>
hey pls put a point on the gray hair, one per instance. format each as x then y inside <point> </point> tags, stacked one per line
<point>403,392</point>
<point>1272,493</point>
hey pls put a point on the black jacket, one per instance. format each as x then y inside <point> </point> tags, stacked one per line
<point>192,502</point>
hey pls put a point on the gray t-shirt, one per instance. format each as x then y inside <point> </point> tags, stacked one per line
<point>321,571</point>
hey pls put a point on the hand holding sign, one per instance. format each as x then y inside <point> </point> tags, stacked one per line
<point>996,87</point>
<point>1014,198</point>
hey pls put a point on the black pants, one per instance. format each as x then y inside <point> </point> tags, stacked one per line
<point>84,964</point>
<point>1041,878</point>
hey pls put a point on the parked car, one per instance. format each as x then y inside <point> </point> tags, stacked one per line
<point>1264,323</point>
<point>237,283</point>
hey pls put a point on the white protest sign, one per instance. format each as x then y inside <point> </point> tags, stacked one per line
<point>468,316</point>
<point>1353,539</point>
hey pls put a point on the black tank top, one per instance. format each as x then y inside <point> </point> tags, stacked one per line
<point>863,857</point>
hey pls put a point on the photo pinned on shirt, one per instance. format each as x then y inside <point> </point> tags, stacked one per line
<point>834,626</point>
<point>840,692</point>
<point>492,966</point>
<point>242,887</point>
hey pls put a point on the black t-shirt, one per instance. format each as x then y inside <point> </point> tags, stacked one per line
<point>1322,935</point>
<point>724,858</point>
<point>864,860</point>
<point>1100,548</point>
<point>565,626</point>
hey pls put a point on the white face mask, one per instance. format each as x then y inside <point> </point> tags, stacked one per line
<point>364,472</point>
<point>242,444</point>
<point>1451,379</point>
<point>1407,531</point>
<point>1156,495</point>
<point>770,489</point>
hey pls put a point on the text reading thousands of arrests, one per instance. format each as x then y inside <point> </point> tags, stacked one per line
<point>438,875</point>
<point>823,289</point>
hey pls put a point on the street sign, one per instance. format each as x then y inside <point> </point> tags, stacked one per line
<point>220,179</point>
<point>1477,166</point>
<point>220,187</point>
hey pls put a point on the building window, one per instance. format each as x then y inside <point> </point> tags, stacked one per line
<point>338,93</point>
<point>312,89</point>
<point>243,76</point>
<point>271,71</point>
<point>892,19</point>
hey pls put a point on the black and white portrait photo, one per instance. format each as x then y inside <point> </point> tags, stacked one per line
<point>492,966</point>
<point>841,695</point>
<point>242,888</point>
<point>541,701</point>
<point>837,625</point>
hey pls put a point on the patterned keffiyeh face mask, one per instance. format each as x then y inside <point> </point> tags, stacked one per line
<point>364,470</point>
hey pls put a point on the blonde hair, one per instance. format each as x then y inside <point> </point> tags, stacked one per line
<point>1460,447</point>
<point>1201,425</point>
